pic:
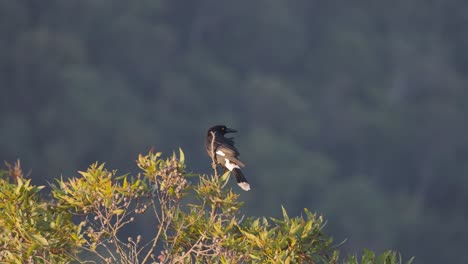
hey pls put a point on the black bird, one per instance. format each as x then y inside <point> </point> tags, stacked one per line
<point>226,154</point>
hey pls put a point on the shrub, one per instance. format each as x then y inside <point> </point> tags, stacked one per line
<point>193,223</point>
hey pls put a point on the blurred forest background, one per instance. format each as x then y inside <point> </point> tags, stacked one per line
<point>357,110</point>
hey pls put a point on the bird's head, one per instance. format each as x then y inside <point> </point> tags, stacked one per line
<point>221,130</point>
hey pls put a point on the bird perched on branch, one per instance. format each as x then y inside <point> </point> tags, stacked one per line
<point>225,153</point>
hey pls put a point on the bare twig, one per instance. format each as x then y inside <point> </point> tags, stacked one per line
<point>213,157</point>
<point>160,230</point>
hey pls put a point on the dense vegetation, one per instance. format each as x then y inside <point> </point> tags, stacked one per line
<point>355,110</point>
<point>190,223</point>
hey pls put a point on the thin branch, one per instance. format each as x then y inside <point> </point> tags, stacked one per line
<point>203,235</point>
<point>156,238</point>
<point>213,157</point>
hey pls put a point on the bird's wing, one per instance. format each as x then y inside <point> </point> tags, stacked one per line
<point>219,141</point>
<point>227,143</point>
<point>230,153</point>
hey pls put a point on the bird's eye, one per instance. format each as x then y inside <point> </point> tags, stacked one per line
<point>223,128</point>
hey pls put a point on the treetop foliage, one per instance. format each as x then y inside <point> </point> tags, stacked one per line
<point>192,222</point>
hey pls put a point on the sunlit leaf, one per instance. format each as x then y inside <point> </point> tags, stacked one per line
<point>42,241</point>
<point>119,211</point>
<point>181,156</point>
<point>285,214</point>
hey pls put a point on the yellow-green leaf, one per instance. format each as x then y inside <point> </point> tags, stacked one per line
<point>225,176</point>
<point>119,211</point>
<point>285,214</point>
<point>42,241</point>
<point>181,156</point>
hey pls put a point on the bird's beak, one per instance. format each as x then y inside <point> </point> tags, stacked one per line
<point>230,130</point>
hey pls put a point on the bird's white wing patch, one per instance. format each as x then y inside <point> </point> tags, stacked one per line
<point>219,152</point>
<point>230,165</point>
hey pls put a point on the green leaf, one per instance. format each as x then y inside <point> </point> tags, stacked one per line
<point>295,228</point>
<point>256,223</point>
<point>31,249</point>
<point>42,241</point>
<point>307,229</point>
<point>225,176</point>
<point>410,261</point>
<point>181,156</point>
<point>118,211</point>
<point>125,183</point>
<point>19,185</point>
<point>249,236</point>
<point>285,214</point>
<point>254,257</point>
<point>387,255</point>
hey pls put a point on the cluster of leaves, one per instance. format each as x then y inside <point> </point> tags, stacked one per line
<point>194,223</point>
<point>31,229</point>
<point>106,203</point>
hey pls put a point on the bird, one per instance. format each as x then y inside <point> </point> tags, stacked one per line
<point>226,153</point>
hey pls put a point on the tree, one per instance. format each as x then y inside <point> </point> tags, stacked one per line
<point>192,222</point>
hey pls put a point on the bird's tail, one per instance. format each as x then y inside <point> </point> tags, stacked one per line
<point>241,180</point>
